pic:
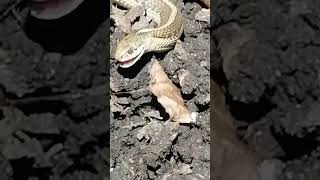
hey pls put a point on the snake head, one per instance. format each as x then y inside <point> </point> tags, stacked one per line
<point>130,49</point>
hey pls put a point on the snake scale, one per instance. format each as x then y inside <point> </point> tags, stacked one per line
<point>160,39</point>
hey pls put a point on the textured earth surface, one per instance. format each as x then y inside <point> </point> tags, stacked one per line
<point>53,113</point>
<point>144,143</point>
<point>267,58</point>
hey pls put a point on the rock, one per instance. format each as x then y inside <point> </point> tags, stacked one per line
<point>203,15</point>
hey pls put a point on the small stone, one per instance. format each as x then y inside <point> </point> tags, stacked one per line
<point>131,161</point>
<point>180,51</point>
<point>122,100</point>
<point>203,15</point>
<point>133,13</point>
<point>142,23</point>
<point>153,114</point>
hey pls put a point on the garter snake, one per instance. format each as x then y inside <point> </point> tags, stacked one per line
<point>162,38</point>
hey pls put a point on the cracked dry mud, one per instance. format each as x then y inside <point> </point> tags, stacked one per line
<point>144,143</point>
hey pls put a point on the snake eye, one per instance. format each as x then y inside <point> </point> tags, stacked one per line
<point>130,51</point>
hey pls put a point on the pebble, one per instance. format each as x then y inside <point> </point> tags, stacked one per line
<point>203,15</point>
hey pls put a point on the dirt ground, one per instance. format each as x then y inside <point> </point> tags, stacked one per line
<point>53,113</point>
<point>266,55</point>
<point>144,143</point>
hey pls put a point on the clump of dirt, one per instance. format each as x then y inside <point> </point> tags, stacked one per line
<point>145,144</point>
<point>268,62</point>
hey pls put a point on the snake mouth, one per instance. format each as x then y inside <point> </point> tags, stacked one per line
<point>131,59</point>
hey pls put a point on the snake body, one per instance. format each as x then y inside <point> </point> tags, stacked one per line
<point>159,39</point>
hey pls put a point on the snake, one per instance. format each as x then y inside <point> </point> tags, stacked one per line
<point>161,38</point>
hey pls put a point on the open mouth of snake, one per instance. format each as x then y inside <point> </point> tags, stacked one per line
<point>132,59</point>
